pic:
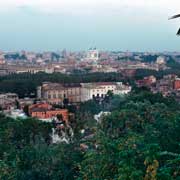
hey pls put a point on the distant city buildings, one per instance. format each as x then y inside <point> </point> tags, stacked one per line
<point>169,85</point>
<point>52,95</point>
<point>147,81</point>
<point>161,60</point>
<point>89,61</point>
<point>92,55</point>
<point>8,101</point>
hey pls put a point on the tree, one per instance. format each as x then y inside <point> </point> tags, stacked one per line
<point>139,140</point>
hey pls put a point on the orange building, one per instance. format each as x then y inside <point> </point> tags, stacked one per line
<point>177,84</point>
<point>46,111</point>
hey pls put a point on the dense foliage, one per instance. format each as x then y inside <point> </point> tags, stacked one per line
<point>26,152</point>
<point>139,140</point>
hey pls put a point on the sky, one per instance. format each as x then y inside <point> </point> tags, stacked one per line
<point>51,25</point>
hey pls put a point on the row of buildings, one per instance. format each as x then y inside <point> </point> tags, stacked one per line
<point>51,94</point>
<point>169,85</point>
<point>12,106</point>
<point>55,93</point>
<point>89,61</point>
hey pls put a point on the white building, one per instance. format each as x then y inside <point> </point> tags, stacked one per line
<point>122,89</point>
<point>91,90</point>
<point>160,60</point>
<point>93,55</point>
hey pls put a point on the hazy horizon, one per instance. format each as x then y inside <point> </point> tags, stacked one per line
<point>44,25</point>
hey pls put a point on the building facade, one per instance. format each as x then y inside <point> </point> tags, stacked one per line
<point>54,93</point>
<point>100,89</point>
<point>44,111</point>
<point>92,55</point>
<point>92,90</point>
<point>177,84</point>
<point>8,101</point>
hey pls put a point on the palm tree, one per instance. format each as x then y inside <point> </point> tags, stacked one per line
<point>174,17</point>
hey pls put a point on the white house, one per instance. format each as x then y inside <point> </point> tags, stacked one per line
<point>91,90</point>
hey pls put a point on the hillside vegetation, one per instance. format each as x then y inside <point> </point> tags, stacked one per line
<point>139,140</point>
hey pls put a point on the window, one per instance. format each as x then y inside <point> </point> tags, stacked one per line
<point>51,96</point>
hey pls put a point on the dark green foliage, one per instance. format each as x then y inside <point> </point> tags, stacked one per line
<point>15,56</point>
<point>141,73</point>
<point>139,140</point>
<point>149,58</point>
<point>26,152</point>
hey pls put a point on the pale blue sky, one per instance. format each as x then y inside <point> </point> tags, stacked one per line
<point>43,25</point>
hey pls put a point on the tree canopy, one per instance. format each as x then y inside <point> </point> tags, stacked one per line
<point>139,140</point>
